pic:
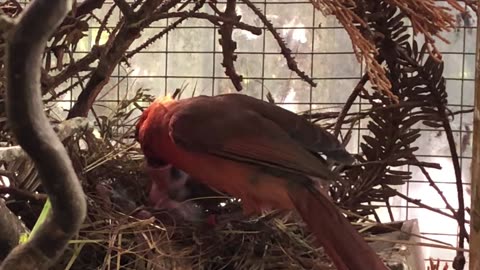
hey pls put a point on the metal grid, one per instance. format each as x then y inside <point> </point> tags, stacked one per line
<point>191,55</point>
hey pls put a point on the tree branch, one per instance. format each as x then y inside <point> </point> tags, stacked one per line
<point>124,7</point>
<point>286,52</point>
<point>348,104</point>
<point>197,15</point>
<point>64,130</point>
<point>229,46</point>
<point>20,194</point>
<point>418,203</point>
<point>459,261</point>
<point>129,30</point>
<point>88,6</point>
<point>31,127</point>
<point>185,15</point>
<point>51,82</point>
<point>10,230</point>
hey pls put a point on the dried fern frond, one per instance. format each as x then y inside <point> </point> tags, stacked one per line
<point>427,18</point>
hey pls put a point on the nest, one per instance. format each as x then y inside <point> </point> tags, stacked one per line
<point>118,231</point>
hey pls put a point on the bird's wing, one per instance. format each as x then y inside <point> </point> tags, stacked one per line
<point>231,131</point>
<point>309,135</point>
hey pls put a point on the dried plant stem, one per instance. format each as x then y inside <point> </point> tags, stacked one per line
<point>418,203</point>
<point>413,162</point>
<point>349,103</point>
<point>363,47</point>
<point>444,199</point>
<point>459,261</point>
<point>440,193</point>
<point>29,124</point>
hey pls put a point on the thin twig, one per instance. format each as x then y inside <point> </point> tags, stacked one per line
<point>286,52</point>
<point>348,104</point>
<point>103,24</point>
<point>167,29</point>
<point>418,203</point>
<point>399,163</point>
<point>459,261</point>
<point>20,194</point>
<point>198,15</point>
<point>88,6</point>
<point>80,65</point>
<point>124,7</point>
<point>114,52</point>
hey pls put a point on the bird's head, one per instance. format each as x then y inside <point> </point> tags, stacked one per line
<point>159,103</point>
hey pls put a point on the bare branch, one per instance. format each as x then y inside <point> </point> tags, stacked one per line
<point>88,6</point>
<point>286,52</point>
<point>49,83</point>
<point>348,104</point>
<point>459,261</point>
<point>150,41</point>
<point>35,135</point>
<point>65,130</point>
<point>115,51</point>
<point>229,46</point>
<point>124,7</point>
<point>418,203</point>
<point>20,194</point>
<point>10,230</point>
<point>212,18</point>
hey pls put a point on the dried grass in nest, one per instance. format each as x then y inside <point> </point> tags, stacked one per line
<point>113,237</point>
<point>118,233</point>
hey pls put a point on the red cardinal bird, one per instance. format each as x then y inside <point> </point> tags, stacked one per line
<point>263,154</point>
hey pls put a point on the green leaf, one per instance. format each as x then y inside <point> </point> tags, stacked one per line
<point>41,219</point>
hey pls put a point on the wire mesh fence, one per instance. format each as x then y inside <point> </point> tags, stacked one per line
<point>190,58</point>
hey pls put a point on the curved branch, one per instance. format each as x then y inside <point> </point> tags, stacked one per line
<point>10,230</point>
<point>212,18</point>
<point>36,136</point>
<point>348,104</point>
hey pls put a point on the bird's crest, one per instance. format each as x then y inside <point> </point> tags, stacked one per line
<point>164,100</point>
<point>159,100</point>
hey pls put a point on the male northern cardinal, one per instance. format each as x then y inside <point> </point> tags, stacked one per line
<point>263,154</point>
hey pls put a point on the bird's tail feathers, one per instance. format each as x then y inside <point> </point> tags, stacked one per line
<point>345,246</point>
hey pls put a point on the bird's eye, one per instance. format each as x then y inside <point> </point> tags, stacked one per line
<point>176,173</point>
<point>155,163</point>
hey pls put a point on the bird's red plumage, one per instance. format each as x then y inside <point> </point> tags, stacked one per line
<point>236,144</point>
